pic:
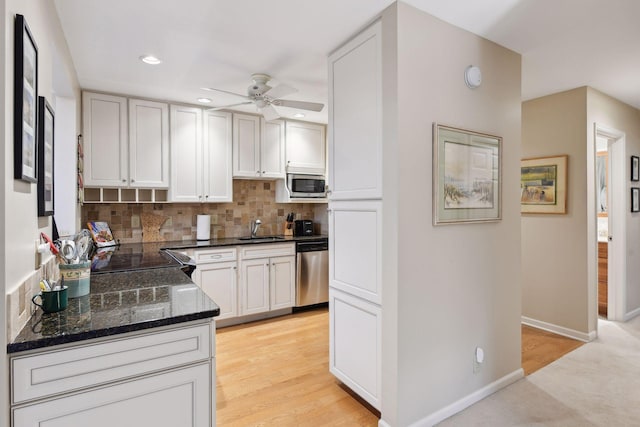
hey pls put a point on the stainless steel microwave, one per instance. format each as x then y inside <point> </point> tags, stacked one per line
<point>306,186</point>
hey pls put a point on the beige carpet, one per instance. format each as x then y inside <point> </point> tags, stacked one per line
<point>597,384</point>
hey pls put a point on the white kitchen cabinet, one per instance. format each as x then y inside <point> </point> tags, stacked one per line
<point>216,273</point>
<point>217,155</point>
<point>121,152</point>
<point>267,278</point>
<point>104,132</point>
<point>258,147</point>
<point>176,398</point>
<point>355,349</point>
<point>148,144</point>
<point>355,248</point>
<point>355,112</point>
<point>154,377</point>
<point>200,155</point>
<point>355,214</point>
<point>306,148</point>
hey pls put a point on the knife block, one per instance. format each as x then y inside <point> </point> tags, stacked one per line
<point>288,228</point>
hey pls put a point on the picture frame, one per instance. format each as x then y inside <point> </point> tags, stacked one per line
<point>543,185</point>
<point>635,199</point>
<point>635,168</point>
<point>46,128</point>
<point>467,176</point>
<point>25,102</point>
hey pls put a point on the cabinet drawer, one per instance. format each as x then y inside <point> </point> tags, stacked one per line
<point>268,250</point>
<point>215,255</point>
<point>53,372</point>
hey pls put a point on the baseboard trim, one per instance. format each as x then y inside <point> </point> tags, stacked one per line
<point>468,400</point>
<point>383,423</point>
<point>630,315</point>
<point>560,330</point>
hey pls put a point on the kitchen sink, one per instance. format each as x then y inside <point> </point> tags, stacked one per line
<point>261,238</point>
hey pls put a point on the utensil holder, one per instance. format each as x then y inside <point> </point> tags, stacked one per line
<point>288,229</point>
<point>77,277</point>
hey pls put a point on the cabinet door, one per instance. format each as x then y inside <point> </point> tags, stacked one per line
<point>246,146</point>
<point>186,154</point>
<point>148,144</point>
<point>176,398</point>
<point>254,286</point>
<point>272,149</point>
<point>104,129</point>
<point>218,281</point>
<point>355,344</point>
<point>306,148</point>
<point>282,285</point>
<point>355,110</point>
<point>355,248</point>
<point>217,154</point>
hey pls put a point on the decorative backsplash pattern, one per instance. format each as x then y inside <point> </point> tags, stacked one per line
<point>252,200</point>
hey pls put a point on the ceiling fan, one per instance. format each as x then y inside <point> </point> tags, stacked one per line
<point>266,98</point>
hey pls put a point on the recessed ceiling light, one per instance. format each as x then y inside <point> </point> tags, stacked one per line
<point>204,100</point>
<point>150,59</point>
<point>298,115</point>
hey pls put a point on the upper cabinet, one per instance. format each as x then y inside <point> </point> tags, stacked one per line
<point>104,130</point>
<point>306,148</point>
<point>148,144</point>
<point>200,155</point>
<point>113,160</point>
<point>355,110</point>
<point>258,147</point>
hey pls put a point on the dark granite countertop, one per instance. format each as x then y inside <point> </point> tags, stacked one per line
<point>119,303</point>
<point>232,241</point>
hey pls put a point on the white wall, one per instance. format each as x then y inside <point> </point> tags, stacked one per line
<point>459,286</point>
<point>20,225</point>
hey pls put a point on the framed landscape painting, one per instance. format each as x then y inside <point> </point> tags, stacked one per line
<point>543,185</point>
<point>466,176</point>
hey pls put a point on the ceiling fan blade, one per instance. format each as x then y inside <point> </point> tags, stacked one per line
<point>224,91</point>
<point>280,91</point>
<point>302,105</point>
<point>222,107</point>
<point>269,113</point>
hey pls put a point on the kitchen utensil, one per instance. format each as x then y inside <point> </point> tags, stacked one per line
<point>83,244</point>
<point>68,250</point>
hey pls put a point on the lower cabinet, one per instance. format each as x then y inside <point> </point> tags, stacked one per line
<point>267,284</point>
<point>355,344</point>
<point>216,273</point>
<point>160,377</point>
<point>176,398</point>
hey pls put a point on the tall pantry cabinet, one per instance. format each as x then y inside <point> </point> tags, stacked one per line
<point>355,213</point>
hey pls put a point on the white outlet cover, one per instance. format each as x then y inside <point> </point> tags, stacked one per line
<point>479,355</point>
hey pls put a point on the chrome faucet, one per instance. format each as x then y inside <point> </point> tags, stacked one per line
<point>255,225</point>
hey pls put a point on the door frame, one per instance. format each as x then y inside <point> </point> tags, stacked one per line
<point>617,239</point>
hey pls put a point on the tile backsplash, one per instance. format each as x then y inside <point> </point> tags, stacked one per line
<point>252,200</point>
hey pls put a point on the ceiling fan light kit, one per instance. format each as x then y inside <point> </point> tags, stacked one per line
<point>265,97</point>
<point>473,76</point>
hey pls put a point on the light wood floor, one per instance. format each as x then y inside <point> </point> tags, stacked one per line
<point>276,373</point>
<point>539,348</point>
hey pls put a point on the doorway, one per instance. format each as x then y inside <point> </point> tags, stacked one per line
<point>610,200</point>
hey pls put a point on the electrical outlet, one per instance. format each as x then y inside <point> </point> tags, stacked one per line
<point>135,221</point>
<point>478,359</point>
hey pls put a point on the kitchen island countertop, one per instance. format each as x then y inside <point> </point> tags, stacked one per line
<point>119,303</point>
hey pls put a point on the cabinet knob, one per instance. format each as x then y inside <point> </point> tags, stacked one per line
<point>124,180</point>
<point>263,172</point>
<point>206,196</point>
<point>133,180</point>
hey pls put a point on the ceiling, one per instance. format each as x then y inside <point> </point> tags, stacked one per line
<point>220,43</point>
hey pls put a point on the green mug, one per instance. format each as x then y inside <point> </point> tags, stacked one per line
<point>52,301</point>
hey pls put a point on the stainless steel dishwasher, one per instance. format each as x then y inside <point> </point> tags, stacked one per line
<point>312,281</point>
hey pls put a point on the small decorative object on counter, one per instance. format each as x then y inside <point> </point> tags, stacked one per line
<point>101,233</point>
<point>288,225</point>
